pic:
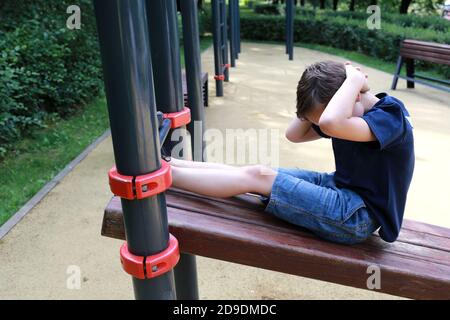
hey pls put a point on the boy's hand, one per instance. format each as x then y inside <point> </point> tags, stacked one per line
<point>337,119</point>
<point>357,77</point>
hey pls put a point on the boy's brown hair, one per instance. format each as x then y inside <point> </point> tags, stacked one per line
<point>318,84</point>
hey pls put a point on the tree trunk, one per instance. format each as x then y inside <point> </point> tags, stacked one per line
<point>373,2</point>
<point>335,4</point>
<point>322,4</point>
<point>404,5</point>
<point>352,5</point>
<point>302,3</point>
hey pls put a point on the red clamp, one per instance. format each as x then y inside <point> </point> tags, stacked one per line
<point>180,118</point>
<point>143,186</point>
<point>151,266</point>
<point>227,65</point>
<point>219,77</point>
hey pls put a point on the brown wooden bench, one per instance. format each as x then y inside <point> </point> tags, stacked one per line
<point>411,50</point>
<point>416,266</point>
<point>204,88</point>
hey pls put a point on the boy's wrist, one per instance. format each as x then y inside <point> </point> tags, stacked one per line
<point>355,82</point>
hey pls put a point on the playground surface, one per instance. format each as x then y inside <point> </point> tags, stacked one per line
<point>64,228</point>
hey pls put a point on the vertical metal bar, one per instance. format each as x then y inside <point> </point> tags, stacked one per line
<point>164,61</point>
<point>224,21</point>
<point>238,27</point>
<point>193,75</point>
<point>409,72</point>
<point>398,69</point>
<point>236,40</point>
<point>125,51</point>
<point>286,27</point>
<point>171,7</point>
<point>186,276</point>
<point>186,270</point>
<point>290,4</point>
<point>232,30</point>
<point>217,34</point>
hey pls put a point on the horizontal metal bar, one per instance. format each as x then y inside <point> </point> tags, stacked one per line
<point>432,79</point>
<point>164,130</point>
<point>444,88</point>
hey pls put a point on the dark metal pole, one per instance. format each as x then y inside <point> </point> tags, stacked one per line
<point>175,50</point>
<point>193,76</point>
<point>224,42</point>
<point>286,27</point>
<point>122,30</point>
<point>166,64</point>
<point>218,63</point>
<point>232,36</point>
<point>239,27</point>
<point>186,270</point>
<point>236,26</point>
<point>290,28</point>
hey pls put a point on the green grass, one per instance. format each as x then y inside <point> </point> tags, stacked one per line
<point>36,160</point>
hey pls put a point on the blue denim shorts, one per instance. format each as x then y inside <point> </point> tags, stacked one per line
<point>312,200</point>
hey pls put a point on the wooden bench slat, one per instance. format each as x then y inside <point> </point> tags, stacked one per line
<point>427,56</point>
<point>443,51</point>
<point>422,53</point>
<point>246,209</point>
<point>248,212</point>
<point>426,44</point>
<point>426,228</point>
<point>234,230</point>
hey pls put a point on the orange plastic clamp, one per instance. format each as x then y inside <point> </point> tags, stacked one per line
<point>144,186</point>
<point>219,77</point>
<point>151,266</point>
<point>178,119</point>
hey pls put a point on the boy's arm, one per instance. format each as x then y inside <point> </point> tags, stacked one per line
<point>300,130</point>
<point>337,119</point>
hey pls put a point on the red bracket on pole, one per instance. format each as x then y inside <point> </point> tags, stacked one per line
<point>143,186</point>
<point>151,266</point>
<point>180,118</point>
<point>219,77</point>
<point>227,65</point>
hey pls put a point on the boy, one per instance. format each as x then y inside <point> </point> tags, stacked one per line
<point>374,156</point>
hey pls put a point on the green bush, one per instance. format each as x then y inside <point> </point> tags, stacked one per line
<point>45,68</point>
<point>343,34</point>
<point>270,9</point>
<point>205,20</point>
<point>402,20</point>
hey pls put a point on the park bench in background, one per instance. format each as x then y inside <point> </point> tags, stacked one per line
<point>416,266</point>
<point>204,80</point>
<point>411,50</point>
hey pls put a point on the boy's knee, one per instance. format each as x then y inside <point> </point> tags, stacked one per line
<point>259,172</point>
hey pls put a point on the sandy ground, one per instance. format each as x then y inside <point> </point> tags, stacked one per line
<point>63,230</point>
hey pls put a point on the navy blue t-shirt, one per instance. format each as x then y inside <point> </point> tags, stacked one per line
<point>379,171</point>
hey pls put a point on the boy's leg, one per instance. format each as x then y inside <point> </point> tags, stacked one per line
<point>224,183</point>
<point>198,164</point>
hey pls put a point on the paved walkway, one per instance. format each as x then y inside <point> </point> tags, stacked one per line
<point>64,228</point>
